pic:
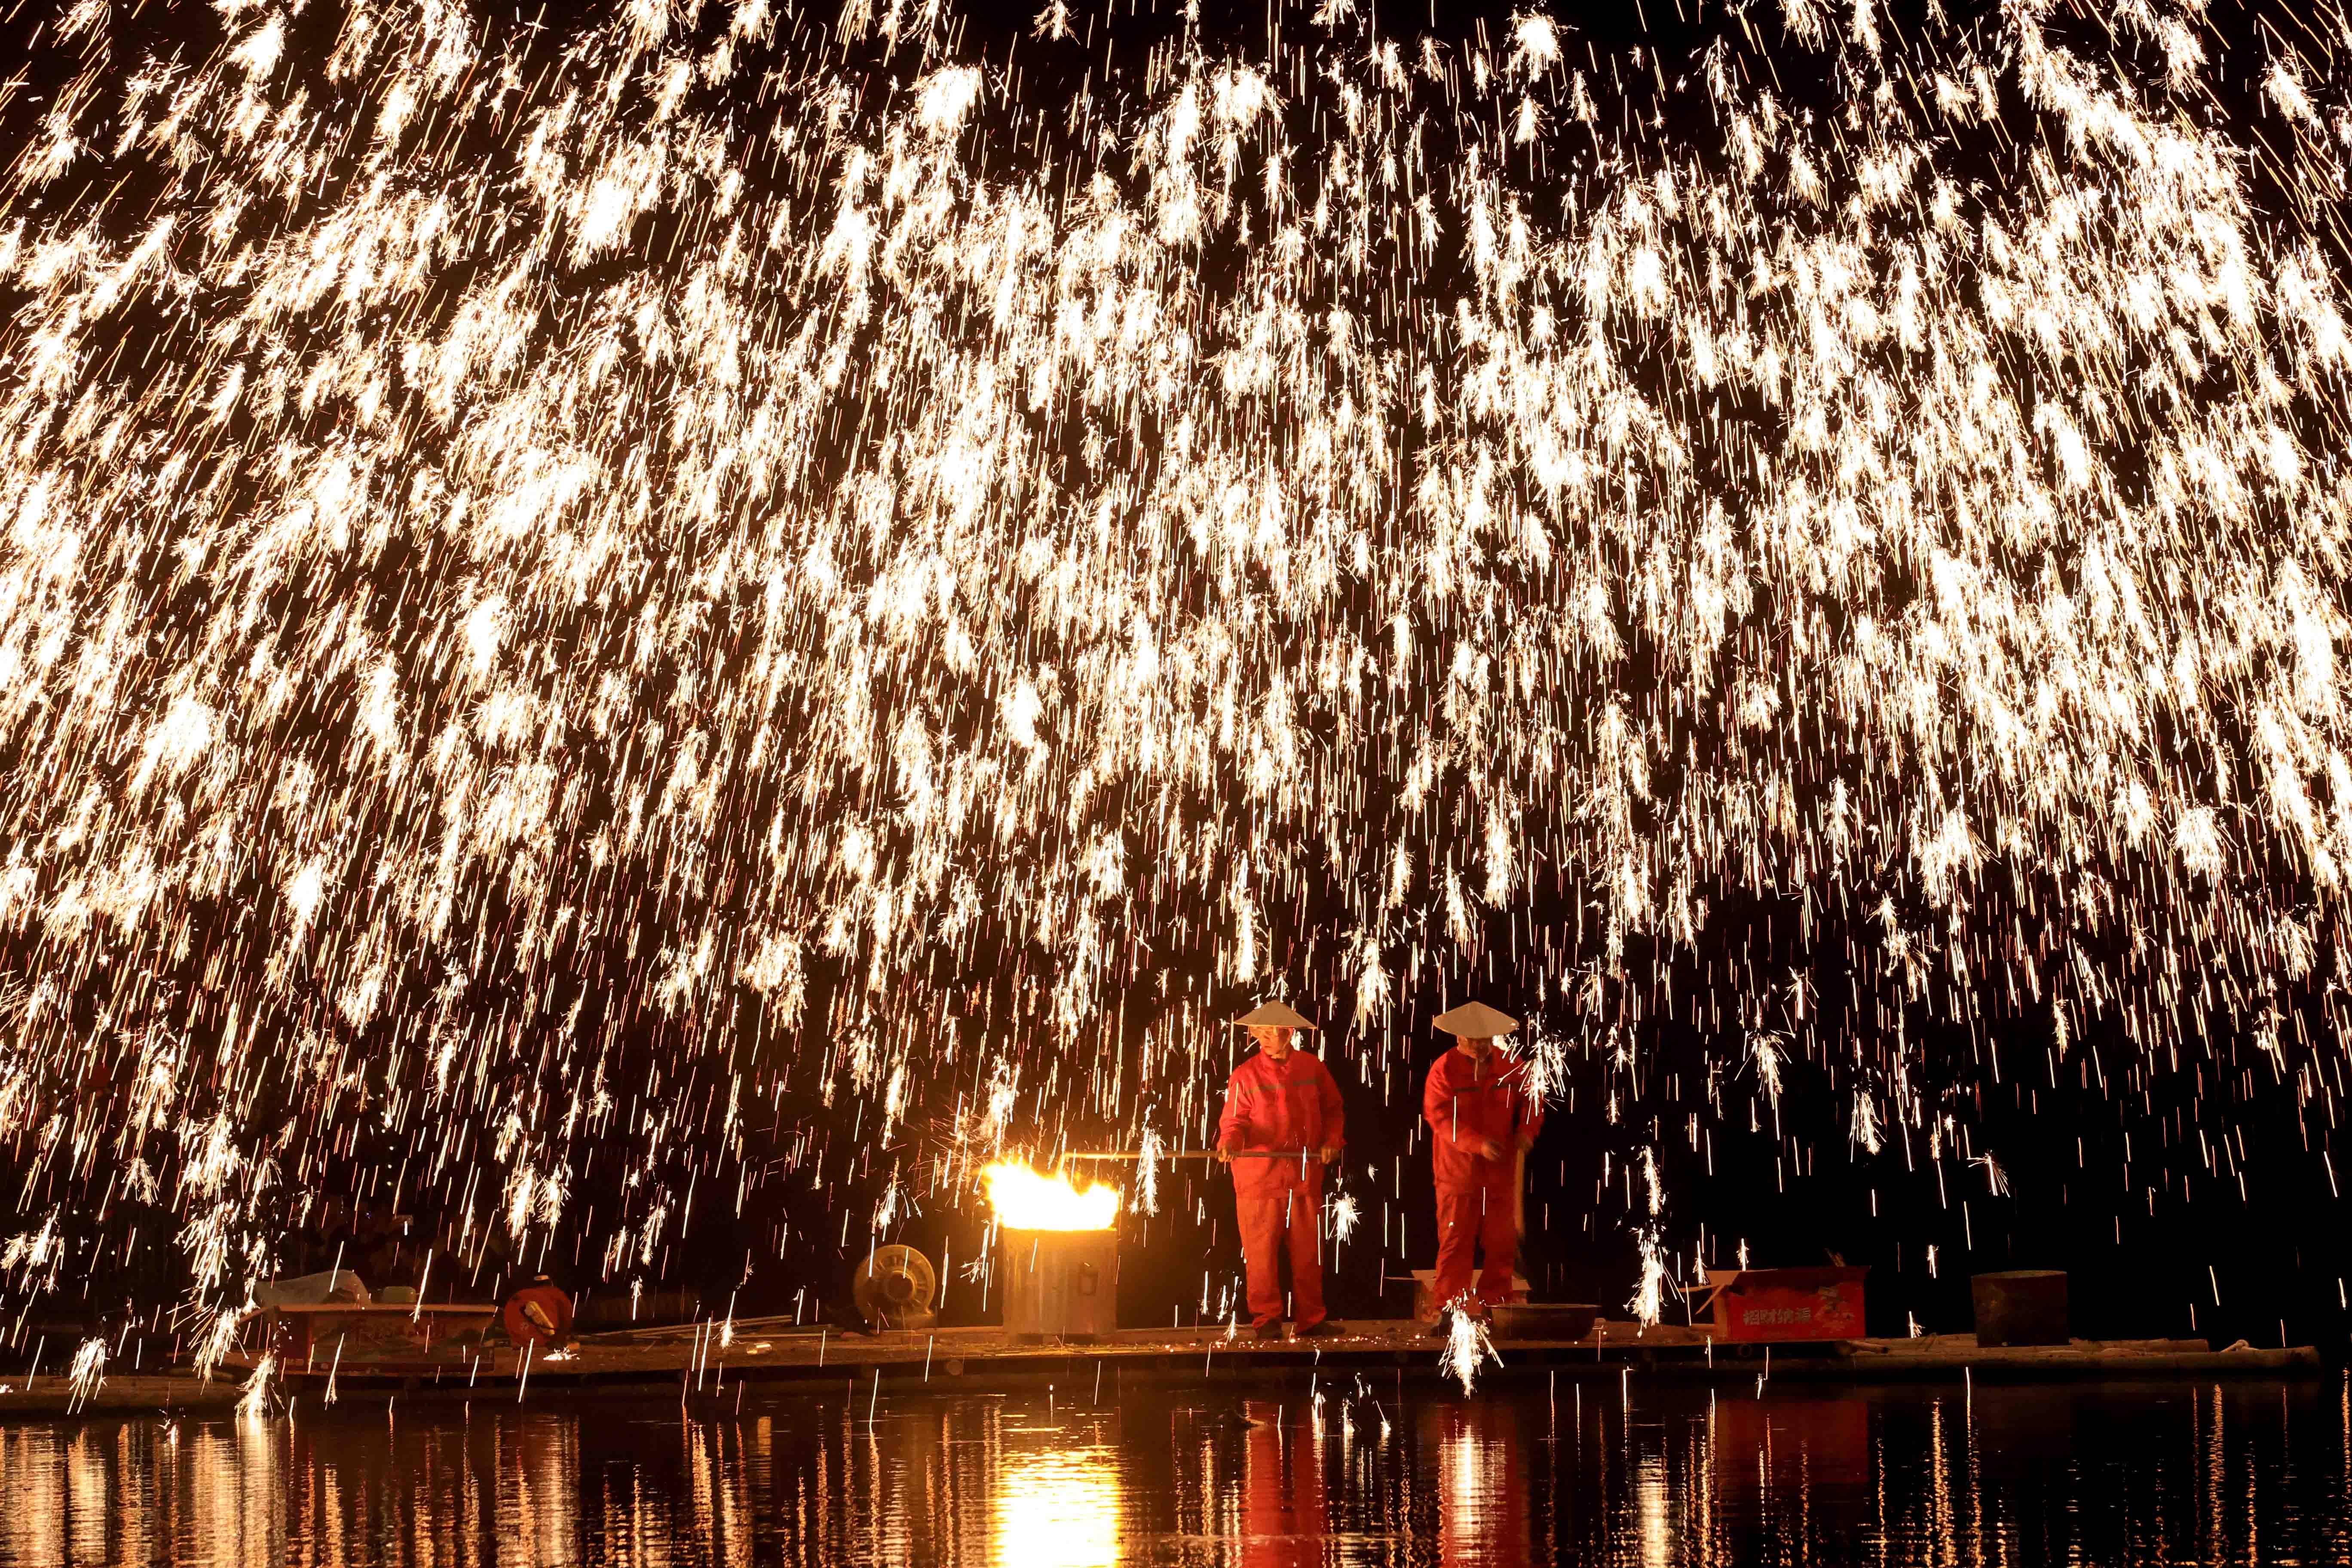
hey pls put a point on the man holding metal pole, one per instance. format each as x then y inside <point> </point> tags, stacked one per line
<point>1482,1121</point>
<point>1281,1098</point>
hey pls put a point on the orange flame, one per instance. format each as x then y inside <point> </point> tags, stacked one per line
<point>1025,1200</point>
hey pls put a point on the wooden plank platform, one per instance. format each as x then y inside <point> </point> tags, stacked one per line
<point>692,1363</point>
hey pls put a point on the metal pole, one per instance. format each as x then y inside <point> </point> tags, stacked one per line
<point>1190,1154</point>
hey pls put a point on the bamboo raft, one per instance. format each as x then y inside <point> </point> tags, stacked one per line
<point>702,1363</point>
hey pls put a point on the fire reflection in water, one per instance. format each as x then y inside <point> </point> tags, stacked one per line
<point>1057,1511</point>
<point>139,1493</point>
<point>1618,1478</point>
<point>1482,1485</point>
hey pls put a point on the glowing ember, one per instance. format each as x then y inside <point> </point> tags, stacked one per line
<point>1025,1200</point>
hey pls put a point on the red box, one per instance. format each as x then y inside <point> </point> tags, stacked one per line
<point>1759,1306</point>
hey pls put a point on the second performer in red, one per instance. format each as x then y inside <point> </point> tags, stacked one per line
<point>1482,1120</point>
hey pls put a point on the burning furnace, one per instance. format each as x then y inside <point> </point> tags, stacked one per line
<point>1060,1271</point>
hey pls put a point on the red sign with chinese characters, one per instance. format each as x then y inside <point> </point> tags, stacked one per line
<point>1757,1306</point>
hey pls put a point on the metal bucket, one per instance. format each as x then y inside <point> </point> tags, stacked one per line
<point>1060,1284</point>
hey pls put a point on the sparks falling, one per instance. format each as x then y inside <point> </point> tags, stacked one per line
<point>527,559</point>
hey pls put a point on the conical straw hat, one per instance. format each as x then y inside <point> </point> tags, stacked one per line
<point>1475,1021</point>
<point>1273,1015</point>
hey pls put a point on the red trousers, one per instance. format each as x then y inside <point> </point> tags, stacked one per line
<point>1263,1221</point>
<point>1474,1216</point>
<point>1285,1516</point>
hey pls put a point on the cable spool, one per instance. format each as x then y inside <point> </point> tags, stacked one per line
<point>537,1314</point>
<point>895,1287</point>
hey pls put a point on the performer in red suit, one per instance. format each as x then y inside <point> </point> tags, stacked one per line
<point>1482,1121</point>
<point>1281,1098</point>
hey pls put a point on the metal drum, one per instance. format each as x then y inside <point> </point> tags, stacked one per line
<point>1060,1284</point>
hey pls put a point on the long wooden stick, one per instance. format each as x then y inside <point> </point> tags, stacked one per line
<point>1190,1154</point>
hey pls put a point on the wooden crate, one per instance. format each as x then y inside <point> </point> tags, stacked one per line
<point>380,1335</point>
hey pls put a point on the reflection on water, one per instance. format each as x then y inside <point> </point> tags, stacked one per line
<point>1482,1474</point>
<point>1057,1511</point>
<point>1263,1476</point>
<point>1284,1520</point>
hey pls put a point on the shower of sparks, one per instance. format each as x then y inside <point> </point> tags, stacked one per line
<point>254,1402</point>
<point>1469,1347</point>
<point>1147,1171</point>
<point>558,588</point>
<point>1864,1131</point>
<point>1650,1295</point>
<point>87,1373</point>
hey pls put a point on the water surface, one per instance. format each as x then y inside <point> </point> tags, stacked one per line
<point>1266,1477</point>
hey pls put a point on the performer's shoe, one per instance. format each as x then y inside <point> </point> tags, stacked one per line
<point>1271,1330</point>
<point>1321,1329</point>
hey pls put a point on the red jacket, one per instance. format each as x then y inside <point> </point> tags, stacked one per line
<point>1294,1106</point>
<point>1466,1103</point>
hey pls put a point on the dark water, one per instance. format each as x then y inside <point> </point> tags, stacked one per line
<point>2243,1472</point>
